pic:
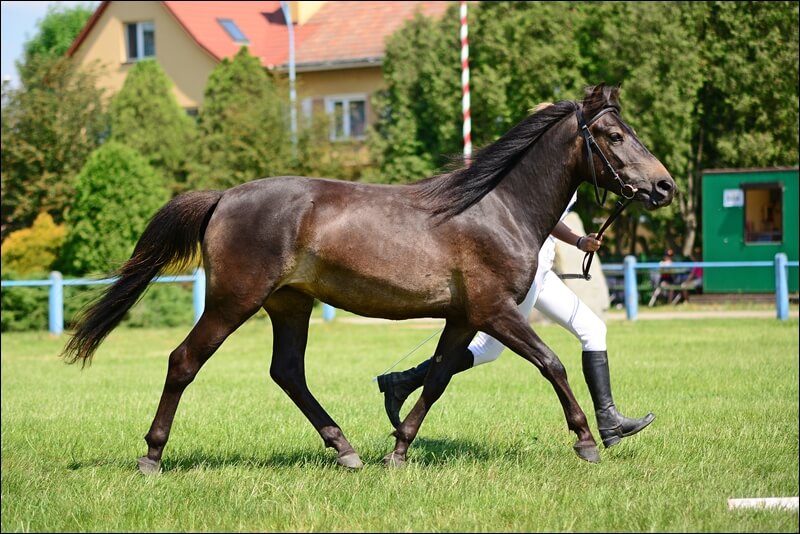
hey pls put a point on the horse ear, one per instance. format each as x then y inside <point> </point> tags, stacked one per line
<point>595,93</point>
<point>594,101</point>
<point>613,96</point>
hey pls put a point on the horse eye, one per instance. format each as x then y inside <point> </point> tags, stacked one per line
<point>615,137</point>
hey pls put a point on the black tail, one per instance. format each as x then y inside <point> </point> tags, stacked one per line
<point>170,239</point>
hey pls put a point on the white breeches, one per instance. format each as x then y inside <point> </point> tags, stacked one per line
<point>557,302</point>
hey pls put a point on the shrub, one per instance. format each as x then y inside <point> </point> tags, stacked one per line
<point>33,249</point>
<point>117,192</point>
<point>24,308</point>
<point>163,305</point>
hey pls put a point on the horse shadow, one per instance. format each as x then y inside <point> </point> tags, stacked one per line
<point>427,452</point>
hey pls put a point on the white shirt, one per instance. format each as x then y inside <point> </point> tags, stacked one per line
<point>547,254</point>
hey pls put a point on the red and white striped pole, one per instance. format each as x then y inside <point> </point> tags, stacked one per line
<point>467,128</point>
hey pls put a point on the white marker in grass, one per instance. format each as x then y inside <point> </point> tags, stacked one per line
<point>787,503</point>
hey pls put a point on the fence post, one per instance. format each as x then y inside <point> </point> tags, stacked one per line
<point>631,288</point>
<point>199,293</point>
<point>781,286</point>
<point>55,304</point>
<point>328,312</point>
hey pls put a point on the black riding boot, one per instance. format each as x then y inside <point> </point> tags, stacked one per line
<point>613,426</point>
<point>396,387</point>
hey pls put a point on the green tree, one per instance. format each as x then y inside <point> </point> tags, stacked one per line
<point>54,35</point>
<point>653,50</point>
<point>243,126</point>
<point>50,125</point>
<point>145,116</point>
<point>521,53</point>
<point>116,194</point>
<point>705,84</point>
<point>416,129</point>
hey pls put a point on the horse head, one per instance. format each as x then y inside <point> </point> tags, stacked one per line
<point>616,159</point>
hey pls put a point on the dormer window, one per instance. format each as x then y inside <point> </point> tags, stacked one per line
<point>234,31</point>
<point>140,40</point>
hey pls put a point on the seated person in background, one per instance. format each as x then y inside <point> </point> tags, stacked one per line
<point>662,279</point>
<point>694,282</point>
<point>667,278</point>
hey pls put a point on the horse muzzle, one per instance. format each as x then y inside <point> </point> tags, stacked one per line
<point>659,194</point>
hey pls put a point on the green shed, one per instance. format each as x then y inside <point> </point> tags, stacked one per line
<point>749,215</point>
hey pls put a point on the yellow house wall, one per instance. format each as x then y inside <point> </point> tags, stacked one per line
<point>319,84</point>
<point>188,65</point>
<point>303,10</point>
<point>183,60</point>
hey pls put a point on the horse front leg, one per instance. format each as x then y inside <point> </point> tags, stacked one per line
<point>289,311</point>
<point>445,363</point>
<point>513,330</point>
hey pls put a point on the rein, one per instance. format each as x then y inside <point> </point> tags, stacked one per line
<point>627,191</point>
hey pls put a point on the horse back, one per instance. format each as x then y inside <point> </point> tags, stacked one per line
<point>367,248</point>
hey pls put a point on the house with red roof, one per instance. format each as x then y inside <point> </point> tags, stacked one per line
<point>338,46</point>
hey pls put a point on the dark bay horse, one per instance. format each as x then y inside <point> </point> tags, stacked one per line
<point>461,246</point>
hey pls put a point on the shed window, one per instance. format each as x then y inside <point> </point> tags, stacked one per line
<point>233,30</point>
<point>763,212</point>
<point>140,40</point>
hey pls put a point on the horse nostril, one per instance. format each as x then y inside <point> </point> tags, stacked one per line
<point>666,185</point>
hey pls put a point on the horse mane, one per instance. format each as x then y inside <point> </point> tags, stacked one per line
<point>451,193</point>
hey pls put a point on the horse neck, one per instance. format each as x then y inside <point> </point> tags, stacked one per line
<point>538,189</point>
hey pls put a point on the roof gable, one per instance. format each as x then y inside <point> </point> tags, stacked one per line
<point>340,32</point>
<point>261,22</point>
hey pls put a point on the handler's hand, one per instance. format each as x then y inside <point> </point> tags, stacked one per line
<point>590,243</point>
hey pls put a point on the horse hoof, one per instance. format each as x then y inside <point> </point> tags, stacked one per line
<point>588,453</point>
<point>148,466</point>
<point>394,461</point>
<point>350,460</point>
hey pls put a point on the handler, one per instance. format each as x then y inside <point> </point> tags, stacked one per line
<point>555,300</point>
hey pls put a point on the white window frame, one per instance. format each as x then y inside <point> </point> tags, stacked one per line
<point>307,107</point>
<point>140,27</point>
<point>345,99</point>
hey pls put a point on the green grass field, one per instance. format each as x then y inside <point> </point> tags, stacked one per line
<point>493,455</point>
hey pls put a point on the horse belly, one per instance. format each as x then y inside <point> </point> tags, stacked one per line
<point>371,286</point>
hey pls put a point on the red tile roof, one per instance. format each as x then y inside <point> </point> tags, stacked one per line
<point>261,22</point>
<point>347,31</point>
<point>340,32</point>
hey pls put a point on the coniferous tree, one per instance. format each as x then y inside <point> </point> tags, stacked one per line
<point>116,194</point>
<point>145,116</point>
<point>243,125</point>
<point>50,125</point>
<point>55,33</point>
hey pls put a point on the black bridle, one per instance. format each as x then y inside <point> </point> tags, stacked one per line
<point>627,191</point>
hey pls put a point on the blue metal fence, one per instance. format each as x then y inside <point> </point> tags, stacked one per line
<point>629,267</point>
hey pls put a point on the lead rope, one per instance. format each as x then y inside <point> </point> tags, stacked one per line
<point>622,203</point>
<point>375,378</point>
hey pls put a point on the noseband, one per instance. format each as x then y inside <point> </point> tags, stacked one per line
<point>627,191</point>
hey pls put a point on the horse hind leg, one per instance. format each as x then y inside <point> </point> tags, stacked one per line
<point>289,311</point>
<point>452,345</point>
<point>214,326</point>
